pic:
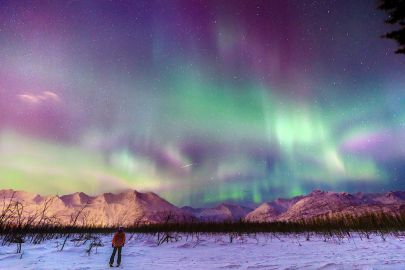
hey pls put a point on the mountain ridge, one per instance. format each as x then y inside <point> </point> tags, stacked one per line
<point>131,207</point>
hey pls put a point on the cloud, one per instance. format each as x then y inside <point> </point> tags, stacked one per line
<point>384,144</point>
<point>45,96</point>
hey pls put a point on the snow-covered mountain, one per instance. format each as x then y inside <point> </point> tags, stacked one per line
<point>270,211</point>
<point>220,213</point>
<point>132,207</point>
<point>126,208</point>
<point>321,203</point>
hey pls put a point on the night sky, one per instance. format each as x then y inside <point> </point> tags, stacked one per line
<point>200,101</point>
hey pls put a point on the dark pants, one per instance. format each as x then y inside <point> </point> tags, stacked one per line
<point>113,255</point>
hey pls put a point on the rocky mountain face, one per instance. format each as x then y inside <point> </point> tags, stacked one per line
<point>132,207</point>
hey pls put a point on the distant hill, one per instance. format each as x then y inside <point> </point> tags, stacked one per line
<point>220,213</point>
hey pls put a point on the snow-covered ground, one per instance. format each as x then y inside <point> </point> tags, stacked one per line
<point>211,252</point>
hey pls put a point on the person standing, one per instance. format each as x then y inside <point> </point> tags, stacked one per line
<point>117,243</point>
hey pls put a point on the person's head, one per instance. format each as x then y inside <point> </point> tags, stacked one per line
<point>120,229</point>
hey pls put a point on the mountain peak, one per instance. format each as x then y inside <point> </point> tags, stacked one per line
<point>77,198</point>
<point>316,192</point>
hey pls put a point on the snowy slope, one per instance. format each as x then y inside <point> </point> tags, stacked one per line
<point>281,252</point>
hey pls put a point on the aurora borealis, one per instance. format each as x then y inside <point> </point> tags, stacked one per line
<point>200,101</point>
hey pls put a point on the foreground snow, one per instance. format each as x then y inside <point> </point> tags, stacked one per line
<point>215,252</point>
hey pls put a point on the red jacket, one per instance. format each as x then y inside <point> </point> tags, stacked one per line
<point>118,239</point>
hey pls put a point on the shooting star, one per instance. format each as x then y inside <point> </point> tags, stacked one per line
<point>188,165</point>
